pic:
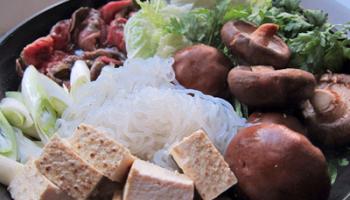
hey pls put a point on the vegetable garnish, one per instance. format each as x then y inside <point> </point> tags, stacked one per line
<point>79,76</point>
<point>18,115</point>
<point>38,103</point>
<point>8,145</point>
<point>145,34</point>
<point>317,45</point>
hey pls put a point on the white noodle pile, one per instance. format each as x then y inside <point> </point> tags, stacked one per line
<point>139,106</point>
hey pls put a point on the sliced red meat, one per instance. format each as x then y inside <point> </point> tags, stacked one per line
<point>56,56</point>
<point>112,8</point>
<point>108,60</point>
<point>38,52</point>
<point>91,33</point>
<point>115,35</point>
<point>60,34</point>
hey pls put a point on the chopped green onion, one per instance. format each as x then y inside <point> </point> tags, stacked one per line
<point>38,103</point>
<point>18,115</point>
<point>57,95</point>
<point>8,169</point>
<point>15,95</point>
<point>26,148</point>
<point>8,145</point>
<point>79,76</point>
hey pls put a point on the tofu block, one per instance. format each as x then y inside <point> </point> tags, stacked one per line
<point>105,154</point>
<point>67,170</point>
<point>197,156</point>
<point>149,181</point>
<point>29,184</point>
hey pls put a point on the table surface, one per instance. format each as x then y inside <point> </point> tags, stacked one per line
<point>9,7</point>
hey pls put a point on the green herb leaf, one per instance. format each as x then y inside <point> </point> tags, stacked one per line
<point>287,5</point>
<point>332,171</point>
<point>343,162</point>
<point>316,17</point>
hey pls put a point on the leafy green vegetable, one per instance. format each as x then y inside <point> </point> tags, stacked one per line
<point>8,145</point>
<point>287,5</point>
<point>337,160</point>
<point>319,50</point>
<point>203,25</point>
<point>195,3</point>
<point>343,162</point>
<point>332,171</point>
<point>316,17</point>
<point>240,109</point>
<point>316,45</point>
<point>145,34</point>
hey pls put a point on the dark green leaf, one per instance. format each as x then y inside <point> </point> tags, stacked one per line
<point>287,5</point>
<point>343,162</point>
<point>316,17</point>
<point>332,171</point>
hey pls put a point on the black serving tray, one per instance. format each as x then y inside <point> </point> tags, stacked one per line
<point>12,43</point>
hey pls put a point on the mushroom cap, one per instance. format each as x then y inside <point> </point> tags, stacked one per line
<point>327,114</point>
<point>256,45</point>
<point>273,162</point>
<point>289,121</point>
<point>203,68</point>
<point>262,86</point>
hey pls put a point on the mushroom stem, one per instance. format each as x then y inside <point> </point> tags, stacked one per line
<point>328,104</point>
<point>263,34</point>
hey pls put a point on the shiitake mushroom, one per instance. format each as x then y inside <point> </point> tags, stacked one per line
<point>272,162</point>
<point>327,113</point>
<point>262,86</point>
<point>287,120</point>
<point>255,45</point>
<point>203,68</point>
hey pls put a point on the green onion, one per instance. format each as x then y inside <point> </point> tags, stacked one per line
<point>18,115</point>
<point>38,103</point>
<point>8,145</point>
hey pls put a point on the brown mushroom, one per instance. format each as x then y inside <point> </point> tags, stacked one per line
<point>262,86</point>
<point>289,121</point>
<point>272,162</point>
<point>327,113</point>
<point>203,68</point>
<point>256,45</point>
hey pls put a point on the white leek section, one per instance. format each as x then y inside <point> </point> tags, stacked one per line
<point>59,98</point>
<point>15,95</point>
<point>27,149</point>
<point>37,101</point>
<point>18,115</point>
<point>8,145</point>
<point>8,170</point>
<point>79,76</point>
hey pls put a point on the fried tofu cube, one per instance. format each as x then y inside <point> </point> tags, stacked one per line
<point>197,156</point>
<point>108,156</point>
<point>63,167</point>
<point>29,184</point>
<point>149,181</point>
